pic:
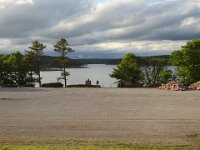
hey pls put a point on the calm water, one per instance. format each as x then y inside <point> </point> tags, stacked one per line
<point>95,72</point>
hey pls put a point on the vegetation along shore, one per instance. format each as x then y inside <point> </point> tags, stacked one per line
<point>17,70</point>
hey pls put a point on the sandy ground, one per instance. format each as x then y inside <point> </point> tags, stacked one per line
<point>129,115</point>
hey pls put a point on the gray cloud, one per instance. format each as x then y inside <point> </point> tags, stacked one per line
<point>24,20</point>
<point>112,26</point>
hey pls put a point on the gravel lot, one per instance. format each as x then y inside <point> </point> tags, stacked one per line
<point>128,115</point>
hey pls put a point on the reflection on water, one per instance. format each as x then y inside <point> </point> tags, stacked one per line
<point>94,72</point>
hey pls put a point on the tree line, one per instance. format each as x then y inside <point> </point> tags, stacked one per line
<point>130,71</point>
<point>17,70</point>
<point>143,60</point>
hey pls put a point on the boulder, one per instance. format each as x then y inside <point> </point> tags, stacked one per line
<point>195,86</point>
<point>172,86</point>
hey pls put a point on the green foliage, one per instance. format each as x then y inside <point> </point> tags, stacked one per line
<point>128,71</point>
<point>150,60</point>
<point>125,147</point>
<point>166,76</point>
<point>33,56</point>
<point>37,48</point>
<point>31,62</point>
<point>14,70</point>
<point>187,62</point>
<point>151,73</point>
<point>62,48</point>
<point>1,68</point>
<point>52,85</point>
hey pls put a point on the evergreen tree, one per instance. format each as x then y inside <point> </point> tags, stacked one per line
<point>37,51</point>
<point>62,47</point>
<point>31,63</point>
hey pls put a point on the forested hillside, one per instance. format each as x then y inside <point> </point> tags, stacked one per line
<point>52,61</point>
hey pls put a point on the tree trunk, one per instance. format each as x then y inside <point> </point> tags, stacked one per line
<point>40,84</point>
<point>65,78</point>
<point>38,69</point>
<point>39,77</point>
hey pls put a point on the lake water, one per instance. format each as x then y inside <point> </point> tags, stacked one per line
<point>94,72</point>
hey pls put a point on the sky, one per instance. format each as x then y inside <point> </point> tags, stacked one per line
<point>100,28</point>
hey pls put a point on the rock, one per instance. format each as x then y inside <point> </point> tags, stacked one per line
<point>195,86</point>
<point>172,86</point>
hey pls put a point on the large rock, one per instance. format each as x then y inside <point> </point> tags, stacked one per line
<point>173,86</point>
<point>195,86</point>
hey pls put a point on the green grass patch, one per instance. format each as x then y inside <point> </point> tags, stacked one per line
<point>119,147</point>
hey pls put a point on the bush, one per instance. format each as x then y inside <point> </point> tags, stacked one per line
<point>83,86</point>
<point>128,72</point>
<point>129,85</point>
<point>52,85</point>
<point>165,76</point>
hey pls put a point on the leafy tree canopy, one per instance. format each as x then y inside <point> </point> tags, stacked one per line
<point>128,71</point>
<point>187,62</point>
<point>14,71</point>
<point>151,72</point>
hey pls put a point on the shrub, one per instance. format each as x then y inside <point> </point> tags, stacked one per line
<point>83,86</point>
<point>52,85</point>
<point>128,72</point>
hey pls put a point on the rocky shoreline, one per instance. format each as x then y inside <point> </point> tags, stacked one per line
<point>173,86</point>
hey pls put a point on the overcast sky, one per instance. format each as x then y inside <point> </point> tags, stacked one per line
<point>101,28</point>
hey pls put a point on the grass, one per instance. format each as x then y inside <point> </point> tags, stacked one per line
<point>122,147</point>
<point>95,145</point>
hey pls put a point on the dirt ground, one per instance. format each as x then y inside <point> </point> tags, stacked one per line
<point>128,115</point>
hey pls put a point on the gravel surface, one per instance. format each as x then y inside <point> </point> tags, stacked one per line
<point>128,115</point>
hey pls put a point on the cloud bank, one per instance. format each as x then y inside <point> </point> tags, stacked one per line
<point>98,28</point>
